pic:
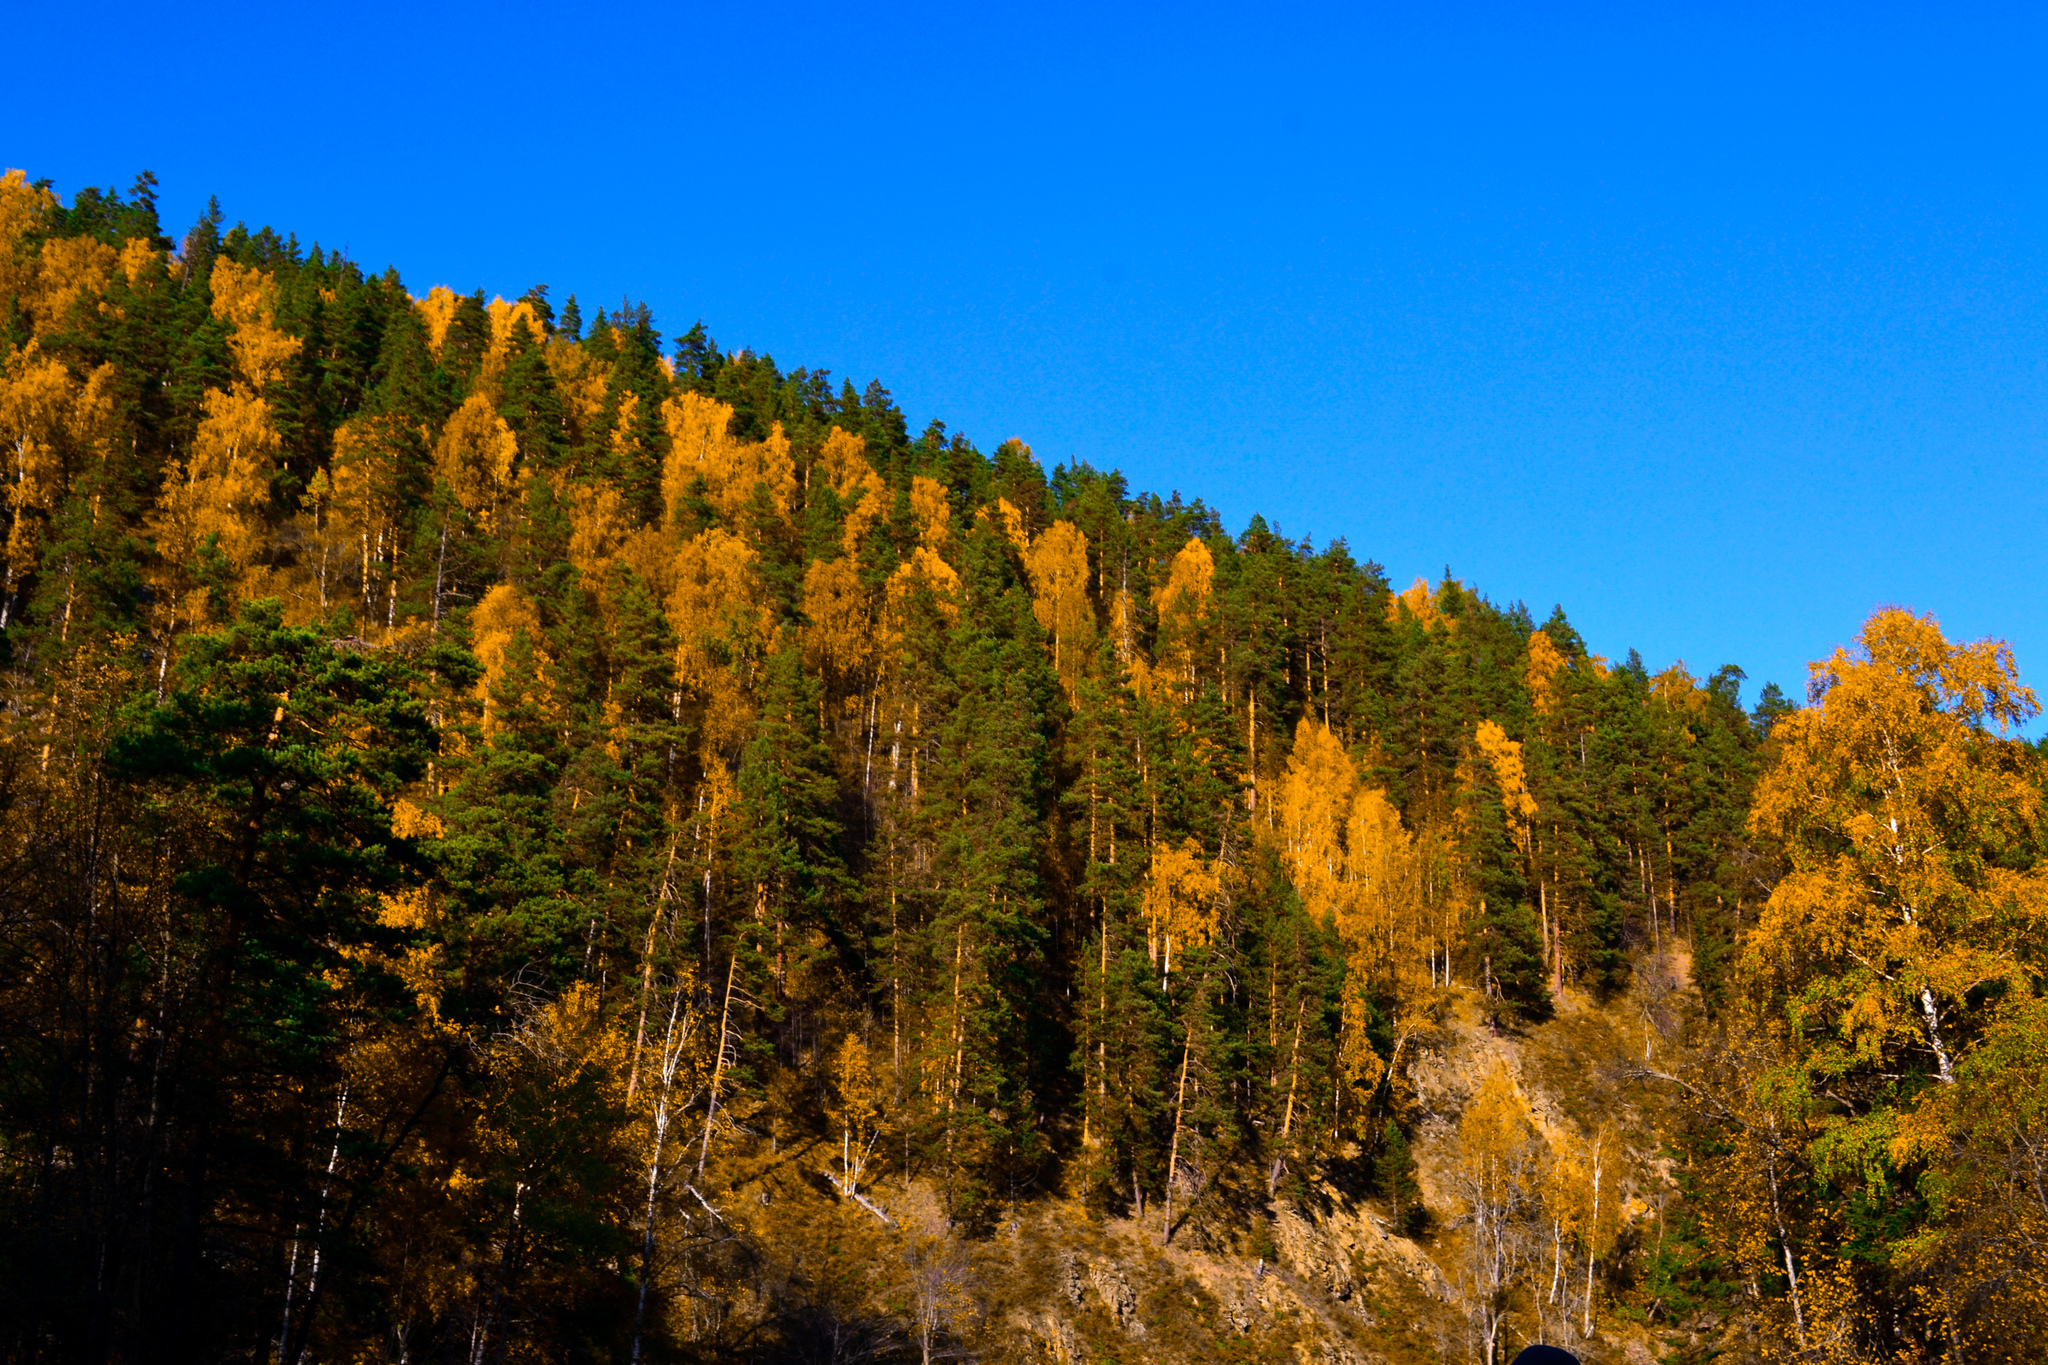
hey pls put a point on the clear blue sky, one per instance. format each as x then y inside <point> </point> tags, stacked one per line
<point>1718,326</point>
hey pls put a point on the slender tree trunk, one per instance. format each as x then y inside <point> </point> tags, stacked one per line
<point>647,965</point>
<point>1293,1082</point>
<point>440,565</point>
<point>1592,1234</point>
<point>717,1067</point>
<point>1785,1246</point>
<point>1180,1100</point>
<point>296,1341</point>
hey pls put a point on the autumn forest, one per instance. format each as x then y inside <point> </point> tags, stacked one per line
<point>526,838</point>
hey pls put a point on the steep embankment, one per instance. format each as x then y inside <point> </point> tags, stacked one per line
<point>1333,1271</point>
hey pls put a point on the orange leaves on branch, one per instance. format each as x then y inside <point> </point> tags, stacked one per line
<point>1057,563</point>
<point>843,463</point>
<point>225,479</point>
<point>703,455</point>
<point>437,311</point>
<point>72,272</point>
<point>23,209</point>
<point>476,457</point>
<point>1899,803</point>
<point>1181,896</point>
<point>1504,757</point>
<point>1541,675</point>
<point>840,637</point>
<point>934,510</point>
<point>247,297</point>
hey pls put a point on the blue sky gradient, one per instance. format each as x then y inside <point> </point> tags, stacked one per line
<point>1719,325</point>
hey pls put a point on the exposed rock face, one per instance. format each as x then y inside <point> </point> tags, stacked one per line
<point>1119,1300</point>
<point>1054,1337</point>
<point>1311,1253</point>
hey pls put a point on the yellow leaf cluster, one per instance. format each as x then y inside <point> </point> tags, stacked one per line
<point>22,209</point>
<point>504,318</point>
<point>37,395</point>
<point>72,270</point>
<point>499,620</point>
<point>934,510</point>
<point>702,448</point>
<point>715,600</point>
<point>437,310</point>
<point>1350,859</point>
<point>1678,688</point>
<point>1180,900</point>
<point>363,475</point>
<point>222,484</point>
<point>1499,1147</point>
<point>599,525</point>
<point>247,297</point>
<point>1012,524</point>
<point>1057,564</point>
<point>1541,675</point>
<point>1189,580</point>
<point>1504,756</point>
<point>844,464</point>
<point>1180,602</point>
<point>840,637</point>
<point>1892,796</point>
<point>926,571</point>
<point>476,457</point>
<point>137,256</point>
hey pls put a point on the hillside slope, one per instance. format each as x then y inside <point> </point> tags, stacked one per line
<point>523,842</point>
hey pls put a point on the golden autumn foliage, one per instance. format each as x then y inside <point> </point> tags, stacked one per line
<point>1541,673</point>
<point>840,639</point>
<point>1504,757</point>
<point>1180,901</point>
<point>247,298</point>
<point>934,511</point>
<point>437,310</point>
<point>843,465</point>
<point>477,457</point>
<point>599,528</point>
<point>1895,797</point>
<point>22,209</point>
<point>73,272</point>
<point>1418,603</point>
<point>1057,563</point>
<point>503,619</point>
<point>703,456</point>
<point>818,845</point>
<point>1180,603</point>
<point>1350,857</point>
<point>220,492</point>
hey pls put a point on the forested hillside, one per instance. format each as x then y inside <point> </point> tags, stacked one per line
<point>523,839</point>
